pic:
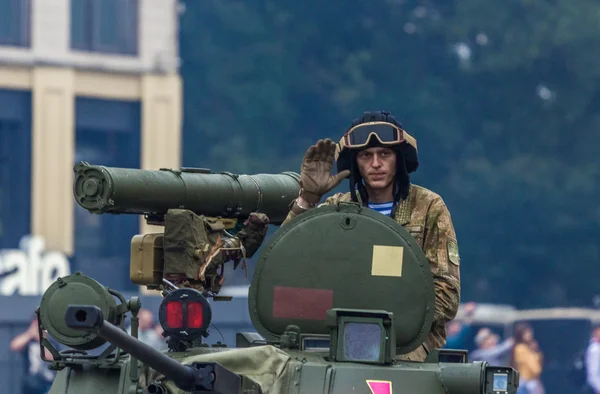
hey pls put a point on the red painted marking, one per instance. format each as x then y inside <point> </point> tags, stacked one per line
<point>380,386</point>
<point>301,303</point>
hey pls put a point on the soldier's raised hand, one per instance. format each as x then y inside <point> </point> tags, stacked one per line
<point>315,176</point>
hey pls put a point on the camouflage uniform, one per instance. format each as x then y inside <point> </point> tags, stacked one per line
<point>425,215</point>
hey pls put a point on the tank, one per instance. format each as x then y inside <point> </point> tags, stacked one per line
<point>339,295</point>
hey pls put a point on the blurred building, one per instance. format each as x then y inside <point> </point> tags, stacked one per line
<point>91,80</point>
<point>80,80</point>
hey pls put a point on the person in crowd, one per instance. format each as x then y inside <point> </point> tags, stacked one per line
<point>490,349</point>
<point>592,361</point>
<point>459,331</point>
<point>528,359</point>
<point>147,330</point>
<point>38,377</point>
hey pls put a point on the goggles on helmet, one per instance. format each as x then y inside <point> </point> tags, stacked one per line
<point>386,133</point>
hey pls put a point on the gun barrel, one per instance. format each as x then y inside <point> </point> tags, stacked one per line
<point>101,189</point>
<point>90,317</point>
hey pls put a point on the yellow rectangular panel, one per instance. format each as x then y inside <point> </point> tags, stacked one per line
<point>387,260</point>
<point>147,259</point>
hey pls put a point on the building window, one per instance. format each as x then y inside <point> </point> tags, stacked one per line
<point>107,133</point>
<point>106,26</point>
<point>15,167</point>
<point>15,22</point>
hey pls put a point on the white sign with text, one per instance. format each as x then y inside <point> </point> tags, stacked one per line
<point>30,270</point>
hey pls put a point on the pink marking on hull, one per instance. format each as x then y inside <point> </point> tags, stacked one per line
<point>380,386</point>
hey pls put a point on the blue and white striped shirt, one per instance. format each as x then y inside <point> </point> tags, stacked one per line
<point>384,208</point>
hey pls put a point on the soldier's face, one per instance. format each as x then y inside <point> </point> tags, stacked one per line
<point>377,166</point>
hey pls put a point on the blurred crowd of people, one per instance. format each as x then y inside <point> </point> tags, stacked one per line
<point>38,376</point>
<point>520,351</point>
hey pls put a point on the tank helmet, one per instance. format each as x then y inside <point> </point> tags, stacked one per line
<point>375,129</point>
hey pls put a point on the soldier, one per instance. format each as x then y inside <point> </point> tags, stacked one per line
<point>378,155</point>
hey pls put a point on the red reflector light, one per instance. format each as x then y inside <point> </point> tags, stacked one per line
<point>185,314</point>
<point>194,315</point>
<point>174,314</point>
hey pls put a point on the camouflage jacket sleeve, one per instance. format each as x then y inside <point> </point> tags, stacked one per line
<point>441,248</point>
<point>295,210</point>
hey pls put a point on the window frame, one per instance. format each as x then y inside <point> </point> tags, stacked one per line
<point>127,23</point>
<point>20,34</point>
<point>17,109</point>
<point>108,117</point>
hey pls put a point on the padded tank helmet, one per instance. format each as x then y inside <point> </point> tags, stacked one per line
<point>377,129</point>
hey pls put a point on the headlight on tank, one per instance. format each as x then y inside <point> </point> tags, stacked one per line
<point>501,380</point>
<point>478,378</point>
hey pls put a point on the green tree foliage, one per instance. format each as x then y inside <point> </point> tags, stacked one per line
<point>503,98</point>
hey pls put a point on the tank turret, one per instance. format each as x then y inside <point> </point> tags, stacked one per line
<point>340,298</point>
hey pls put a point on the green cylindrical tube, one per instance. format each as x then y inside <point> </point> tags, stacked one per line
<point>100,189</point>
<point>464,378</point>
<point>90,317</point>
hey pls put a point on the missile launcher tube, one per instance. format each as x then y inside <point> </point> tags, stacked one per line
<point>100,189</point>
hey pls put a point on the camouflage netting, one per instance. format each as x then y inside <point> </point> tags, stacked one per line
<point>196,247</point>
<point>185,241</point>
<point>268,366</point>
